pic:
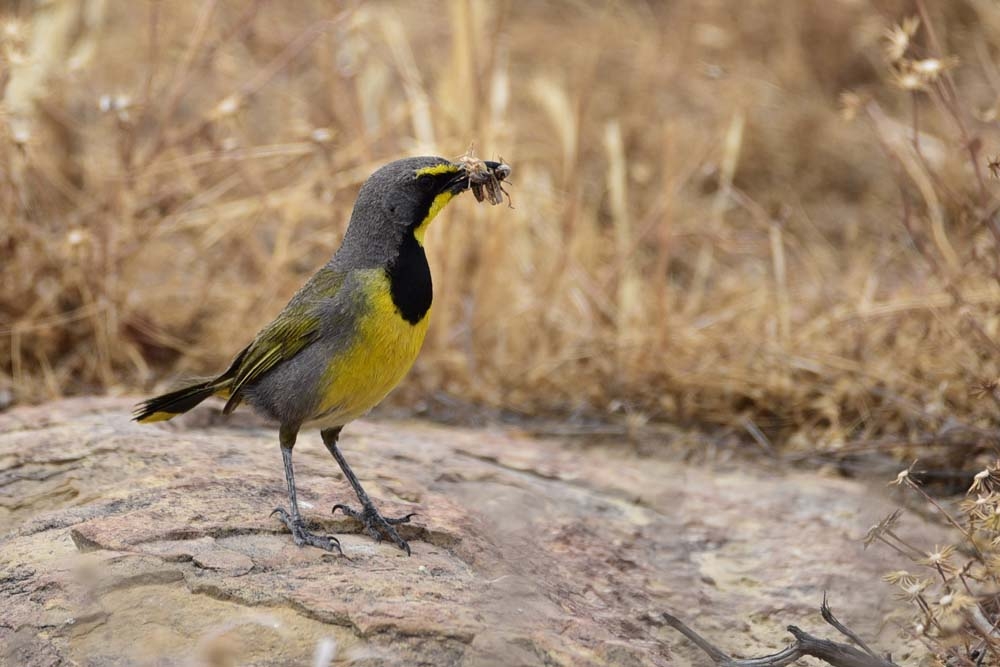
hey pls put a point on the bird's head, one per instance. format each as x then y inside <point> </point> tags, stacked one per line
<point>405,195</point>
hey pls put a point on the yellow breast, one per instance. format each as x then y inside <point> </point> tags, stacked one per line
<point>385,348</point>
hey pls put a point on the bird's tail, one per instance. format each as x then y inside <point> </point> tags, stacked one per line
<point>169,405</point>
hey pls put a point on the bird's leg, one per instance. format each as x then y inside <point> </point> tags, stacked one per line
<point>375,524</point>
<point>294,521</point>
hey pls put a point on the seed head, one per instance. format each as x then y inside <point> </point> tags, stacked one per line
<point>882,527</point>
<point>980,507</point>
<point>321,135</point>
<point>987,480</point>
<point>228,106</point>
<point>939,559</point>
<point>932,68</point>
<point>994,166</point>
<point>898,38</point>
<point>12,30</point>
<point>904,476</point>
<point>912,588</point>
<point>850,103</point>
<point>905,77</point>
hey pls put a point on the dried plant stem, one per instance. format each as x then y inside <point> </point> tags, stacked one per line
<point>180,79</point>
<point>949,96</point>
<point>830,652</point>
<point>948,517</point>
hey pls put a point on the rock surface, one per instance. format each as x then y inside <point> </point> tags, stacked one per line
<point>138,545</point>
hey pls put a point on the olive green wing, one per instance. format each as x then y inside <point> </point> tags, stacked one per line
<point>296,326</point>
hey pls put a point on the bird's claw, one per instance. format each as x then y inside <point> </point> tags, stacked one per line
<point>303,537</point>
<point>377,525</point>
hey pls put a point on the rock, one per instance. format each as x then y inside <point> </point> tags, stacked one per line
<point>126,544</point>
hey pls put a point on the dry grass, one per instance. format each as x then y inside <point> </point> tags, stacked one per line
<point>697,236</point>
<point>951,588</point>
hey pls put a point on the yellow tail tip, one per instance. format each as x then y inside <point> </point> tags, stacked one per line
<point>156,417</point>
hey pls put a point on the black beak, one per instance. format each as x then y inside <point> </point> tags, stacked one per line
<point>458,183</point>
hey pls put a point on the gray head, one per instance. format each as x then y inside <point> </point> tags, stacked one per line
<point>393,204</point>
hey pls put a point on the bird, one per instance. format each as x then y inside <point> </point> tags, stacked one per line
<point>351,332</point>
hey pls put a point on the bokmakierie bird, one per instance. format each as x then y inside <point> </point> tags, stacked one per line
<point>351,333</point>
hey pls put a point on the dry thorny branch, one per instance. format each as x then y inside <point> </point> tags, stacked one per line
<point>834,653</point>
<point>955,606</point>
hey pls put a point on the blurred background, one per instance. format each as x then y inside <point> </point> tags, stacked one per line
<point>768,224</point>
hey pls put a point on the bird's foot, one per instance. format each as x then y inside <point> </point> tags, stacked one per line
<point>303,537</point>
<point>377,525</point>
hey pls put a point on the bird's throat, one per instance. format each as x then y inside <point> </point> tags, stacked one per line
<point>409,274</point>
<point>410,281</point>
<point>437,204</point>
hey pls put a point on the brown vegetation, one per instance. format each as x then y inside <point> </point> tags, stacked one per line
<point>698,236</point>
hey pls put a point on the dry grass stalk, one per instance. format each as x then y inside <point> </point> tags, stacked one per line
<point>669,258</point>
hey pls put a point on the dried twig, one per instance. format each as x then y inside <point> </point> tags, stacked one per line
<point>831,652</point>
<point>827,613</point>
